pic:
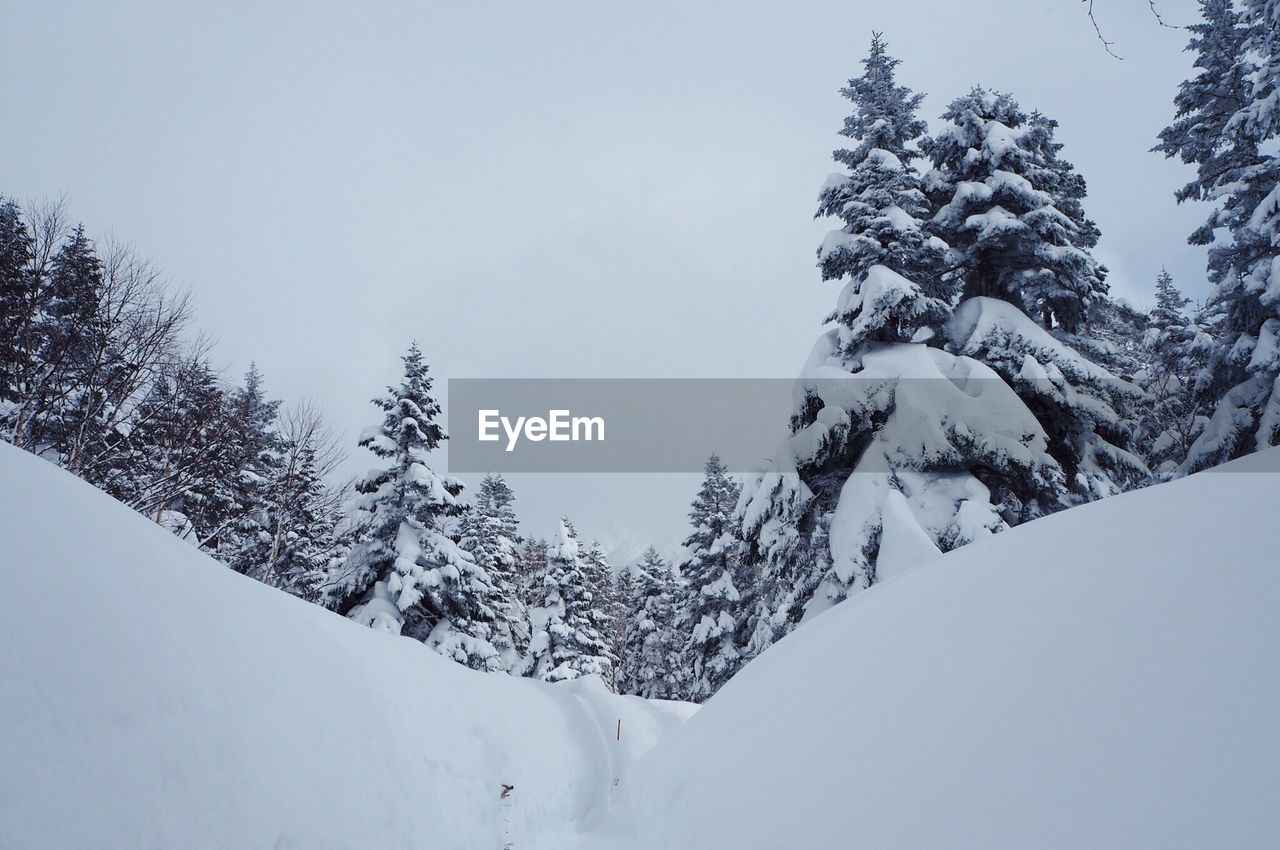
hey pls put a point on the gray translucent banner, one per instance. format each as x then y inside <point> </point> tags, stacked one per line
<point>672,425</point>
<point>614,425</point>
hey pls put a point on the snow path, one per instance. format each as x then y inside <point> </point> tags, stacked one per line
<point>154,699</point>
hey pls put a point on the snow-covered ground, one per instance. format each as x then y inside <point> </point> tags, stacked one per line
<point>153,699</point>
<point>1106,677</point>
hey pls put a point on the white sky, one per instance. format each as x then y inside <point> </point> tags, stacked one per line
<point>539,189</point>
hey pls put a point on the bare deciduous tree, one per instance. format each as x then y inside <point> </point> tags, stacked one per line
<point>139,329</point>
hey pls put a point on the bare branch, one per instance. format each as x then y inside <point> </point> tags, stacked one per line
<point>1107,45</point>
<point>1160,18</point>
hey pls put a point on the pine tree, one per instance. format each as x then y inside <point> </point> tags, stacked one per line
<point>598,574</point>
<point>18,305</point>
<point>531,565</point>
<point>490,529</point>
<point>622,594</point>
<point>231,514</point>
<point>1205,107</point>
<point>178,450</point>
<point>899,449</point>
<point>406,575</point>
<point>570,621</point>
<point>27,297</point>
<point>653,666</point>
<point>892,265</point>
<point>710,612</point>
<point>70,328</point>
<point>608,595</point>
<point>1175,414</point>
<point>1170,310</point>
<point>290,538</point>
<point>490,533</point>
<point>1011,209</point>
<point>1239,171</point>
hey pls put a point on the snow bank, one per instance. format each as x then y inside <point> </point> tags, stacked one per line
<point>153,699</point>
<point>1104,677</point>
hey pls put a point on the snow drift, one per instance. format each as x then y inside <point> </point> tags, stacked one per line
<point>1104,677</point>
<point>153,699</point>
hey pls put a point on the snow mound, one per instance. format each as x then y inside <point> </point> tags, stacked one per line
<point>154,699</point>
<point>1103,677</point>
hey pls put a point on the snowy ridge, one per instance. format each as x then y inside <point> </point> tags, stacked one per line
<point>136,714</point>
<point>1102,677</point>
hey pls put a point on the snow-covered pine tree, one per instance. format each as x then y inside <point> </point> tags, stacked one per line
<point>892,265</point>
<point>295,521</point>
<point>1175,414</point>
<point>490,529</point>
<point>622,592</point>
<point>654,664</point>
<point>178,448</point>
<point>1113,336</point>
<point>608,591</point>
<point>1239,170</point>
<point>1169,312</point>
<point>570,621</point>
<point>899,449</point>
<point>230,515</point>
<point>490,532</point>
<point>36,238</point>
<point>710,614</point>
<point>405,574</point>
<point>531,565</point>
<point>1204,108</point>
<point>1010,207</point>
<point>69,323</point>
<point>18,307</point>
<point>1113,339</point>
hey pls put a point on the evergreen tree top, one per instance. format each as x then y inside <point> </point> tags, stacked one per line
<point>884,115</point>
<point>882,207</point>
<point>495,494</point>
<point>1169,302</point>
<point>75,278</point>
<point>717,496</point>
<point>250,401</point>
<point>1205,104</point>
<point>566,548</point>
<point>405,437</point>
<point>712,511</point>
<point>1012,208</point>
<point>15,239</point>
<point>981,134</point>
<point>410,424</point>
<point>652,565</point>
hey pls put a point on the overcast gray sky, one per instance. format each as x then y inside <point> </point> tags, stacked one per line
<point>539,189</point>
